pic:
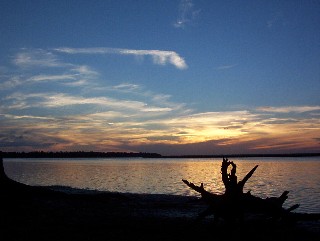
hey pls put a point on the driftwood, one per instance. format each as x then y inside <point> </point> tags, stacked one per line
<point>234,204</point>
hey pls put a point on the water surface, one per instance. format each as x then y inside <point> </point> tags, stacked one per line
<point>300,176</point>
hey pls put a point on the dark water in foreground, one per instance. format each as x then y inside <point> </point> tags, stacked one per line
<point>300,176</point>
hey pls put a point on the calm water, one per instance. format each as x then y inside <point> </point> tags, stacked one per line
<point>300,176</point>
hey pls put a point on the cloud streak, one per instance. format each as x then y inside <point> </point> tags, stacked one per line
<point>223,67</point>
<point>20,101</point>
<point>40,78</point>
<point>186,15</point>
<point>36,58</point>
<point>288,109</point>
<point>159,57</point>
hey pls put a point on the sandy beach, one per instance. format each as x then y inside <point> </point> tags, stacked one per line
<point>91,215</point>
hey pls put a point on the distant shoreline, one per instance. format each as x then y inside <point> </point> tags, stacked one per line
<point>245,155</point>
<point>91,154</point>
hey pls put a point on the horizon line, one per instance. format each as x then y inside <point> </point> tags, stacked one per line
<point>100,154</point>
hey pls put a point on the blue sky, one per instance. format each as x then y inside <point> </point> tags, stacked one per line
<point>173,77</point>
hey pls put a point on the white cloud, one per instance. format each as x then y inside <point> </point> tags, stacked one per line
<point>13,82</point>
<point>187,14</point>
<point>58,100</point>
<point>157,109</point>
<point>81,82</point>
<point>159,57</point>
<point>85,70</point>
<point>33,61</point>
<point>73,80</point>
<point>222,67</point>
<point>37,58</point>
<point>15,117</point>
<point>39,78</point>
<point>288,109</point>
<point>126,87</point>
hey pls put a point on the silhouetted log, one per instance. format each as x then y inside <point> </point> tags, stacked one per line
<point>233,204</point>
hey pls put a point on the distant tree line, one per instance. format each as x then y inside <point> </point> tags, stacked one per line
<point>94,154</point>
<point>245,155</point>
<point>77,154</point>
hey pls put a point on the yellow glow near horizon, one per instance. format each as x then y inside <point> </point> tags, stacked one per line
<point>101,131</point>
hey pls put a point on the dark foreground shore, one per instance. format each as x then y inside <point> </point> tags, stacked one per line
<point>116,216</point>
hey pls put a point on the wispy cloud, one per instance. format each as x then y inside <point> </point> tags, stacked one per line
<point>51,100</point>
<point>288,109</point>
<point>20,101</point>
<point>126,87</point>
<point>9,116</point>
<point>65,79</point>
<point>223,67</point>
<point>78,83</point>
<point>159,57</point>
<point>40,66</point>
<point>36,58</point>
<point>39,78</point>
<point>187,14</point>
<point>85,71</point>
<point>11,83</point>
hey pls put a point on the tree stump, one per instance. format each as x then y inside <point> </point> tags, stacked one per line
<point>234,204</point>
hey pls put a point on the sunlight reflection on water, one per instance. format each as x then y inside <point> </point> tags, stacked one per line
<point>163,176</point>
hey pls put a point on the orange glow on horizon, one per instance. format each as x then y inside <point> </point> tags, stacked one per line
<point>226,129</point>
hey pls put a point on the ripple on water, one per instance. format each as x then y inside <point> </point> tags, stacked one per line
<point>163,176</point>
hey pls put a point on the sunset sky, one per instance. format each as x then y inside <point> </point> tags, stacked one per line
<point>166,76</point>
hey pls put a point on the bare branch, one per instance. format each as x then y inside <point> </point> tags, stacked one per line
<point>246,178</point>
